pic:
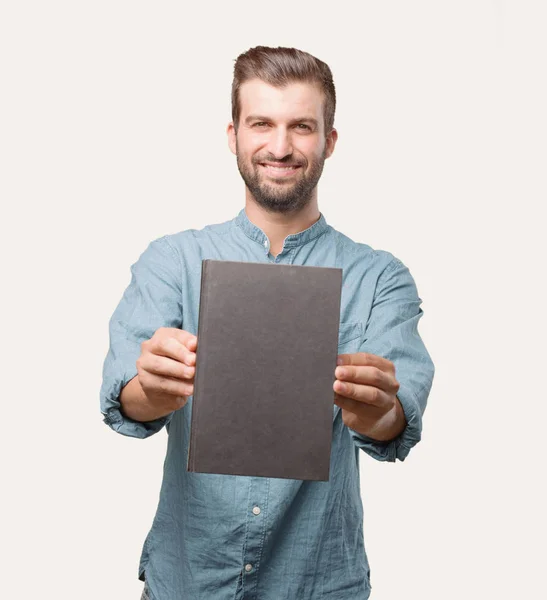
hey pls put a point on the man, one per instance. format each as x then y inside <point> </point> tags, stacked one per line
<point>220,537</point>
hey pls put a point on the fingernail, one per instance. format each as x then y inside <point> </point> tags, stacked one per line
<point>339,361</point>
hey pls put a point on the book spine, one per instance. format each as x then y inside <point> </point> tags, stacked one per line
<point>199,358</point>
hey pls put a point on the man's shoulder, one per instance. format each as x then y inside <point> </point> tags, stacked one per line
<point>194,235</point>
<point>361,251</point>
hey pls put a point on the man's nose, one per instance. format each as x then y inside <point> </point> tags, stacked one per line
<point>280,143</point>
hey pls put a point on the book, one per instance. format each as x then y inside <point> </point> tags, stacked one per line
<point>267,347</point>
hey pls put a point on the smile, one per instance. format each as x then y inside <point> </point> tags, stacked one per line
<point>279,171</point>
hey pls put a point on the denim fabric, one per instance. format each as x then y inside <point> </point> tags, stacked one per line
<point>304,540</point>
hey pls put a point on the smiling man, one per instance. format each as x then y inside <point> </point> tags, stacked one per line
<point>220,537</point>
<point>281,145</point>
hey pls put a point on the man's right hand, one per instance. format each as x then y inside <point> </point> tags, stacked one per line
<point>166,368</point>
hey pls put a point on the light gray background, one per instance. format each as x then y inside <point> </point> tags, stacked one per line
<point>112,133</point>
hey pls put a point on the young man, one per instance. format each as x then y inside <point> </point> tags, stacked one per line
<point>220,537</point>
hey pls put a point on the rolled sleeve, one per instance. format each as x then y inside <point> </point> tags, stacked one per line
<point>392,332</point>
<point>152,300</point>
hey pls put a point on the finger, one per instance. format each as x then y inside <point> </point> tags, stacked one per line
<point>167,385</point>
<point>348,404</point>
<point>192,343</point>
<point>367,359</point>
<point>361,393</point>
<point>175,349</point>
<point>165,366</point>
<point>184,337</point>
<point>181,335</point>
<point>368,375</point>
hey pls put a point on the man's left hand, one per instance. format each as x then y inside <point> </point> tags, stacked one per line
<point>366,391</point>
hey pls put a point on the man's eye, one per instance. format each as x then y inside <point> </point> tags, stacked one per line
<point>304,126</point>
<point>260,124</point>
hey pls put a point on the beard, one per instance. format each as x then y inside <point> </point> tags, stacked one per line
<point>282,197</point>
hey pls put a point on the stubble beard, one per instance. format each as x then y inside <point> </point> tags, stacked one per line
<point>281,197</point>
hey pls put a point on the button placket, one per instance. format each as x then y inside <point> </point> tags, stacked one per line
<point>255,531</point>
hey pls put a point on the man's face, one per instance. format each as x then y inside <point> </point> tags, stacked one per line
<point>280,144</point>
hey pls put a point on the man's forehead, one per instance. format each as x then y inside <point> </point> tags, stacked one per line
<point>257,96</point>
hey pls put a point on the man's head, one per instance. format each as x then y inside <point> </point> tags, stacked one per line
<point>283,103</point>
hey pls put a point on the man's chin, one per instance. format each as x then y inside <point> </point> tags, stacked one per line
<point>285,202</point>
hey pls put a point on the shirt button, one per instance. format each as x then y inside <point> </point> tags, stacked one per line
<point>256,510</point>
<point>265,243</point>
<point>248,567</point>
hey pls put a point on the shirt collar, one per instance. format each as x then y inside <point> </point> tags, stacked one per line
<point>294,239</point>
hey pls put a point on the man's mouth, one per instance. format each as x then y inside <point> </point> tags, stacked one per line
<point>279,170</point>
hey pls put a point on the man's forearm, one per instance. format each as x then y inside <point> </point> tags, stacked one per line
<point>135,404</point>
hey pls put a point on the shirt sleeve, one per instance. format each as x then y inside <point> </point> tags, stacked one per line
<point>152,300</point>
<point>392,332</point>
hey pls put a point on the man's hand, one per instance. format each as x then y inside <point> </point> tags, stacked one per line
<point>365,390</point>
<point>166,368</point>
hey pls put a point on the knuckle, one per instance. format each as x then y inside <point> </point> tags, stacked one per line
<point>182,351</point>
<point>188,389</point>
<point>377,375</point>
<point>375,396</point>
<point>143,380</point>
<point>163,384</point>
<point>156,364</point>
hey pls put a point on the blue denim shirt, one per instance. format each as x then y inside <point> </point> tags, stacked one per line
<point>224,537</point>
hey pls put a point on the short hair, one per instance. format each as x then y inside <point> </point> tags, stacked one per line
<point>279,67</point>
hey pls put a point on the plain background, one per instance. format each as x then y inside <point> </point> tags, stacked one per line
<point>113,118</point>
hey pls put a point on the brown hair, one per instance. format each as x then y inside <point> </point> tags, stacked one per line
<point>279,67</point>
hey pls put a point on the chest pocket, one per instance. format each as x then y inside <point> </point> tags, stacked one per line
<point>349,339</point>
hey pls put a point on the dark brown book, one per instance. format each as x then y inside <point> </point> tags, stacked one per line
<point>267,346</point>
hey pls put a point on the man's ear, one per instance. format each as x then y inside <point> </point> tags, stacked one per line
<point>331,142</point>
<point>230,130</point>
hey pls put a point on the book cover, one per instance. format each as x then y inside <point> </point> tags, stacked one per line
<point>267,347</point>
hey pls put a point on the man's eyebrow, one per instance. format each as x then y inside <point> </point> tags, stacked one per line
<point>311,120</point>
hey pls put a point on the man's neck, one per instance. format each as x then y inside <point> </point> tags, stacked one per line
<point>277,226</point>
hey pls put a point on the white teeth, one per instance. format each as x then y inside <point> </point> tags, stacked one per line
<point>280,168</point>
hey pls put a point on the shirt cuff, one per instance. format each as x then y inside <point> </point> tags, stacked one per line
<point>111,408</point>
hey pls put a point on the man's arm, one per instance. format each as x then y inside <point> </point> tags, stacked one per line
<point>392,333</point>
<point>151,300</point>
